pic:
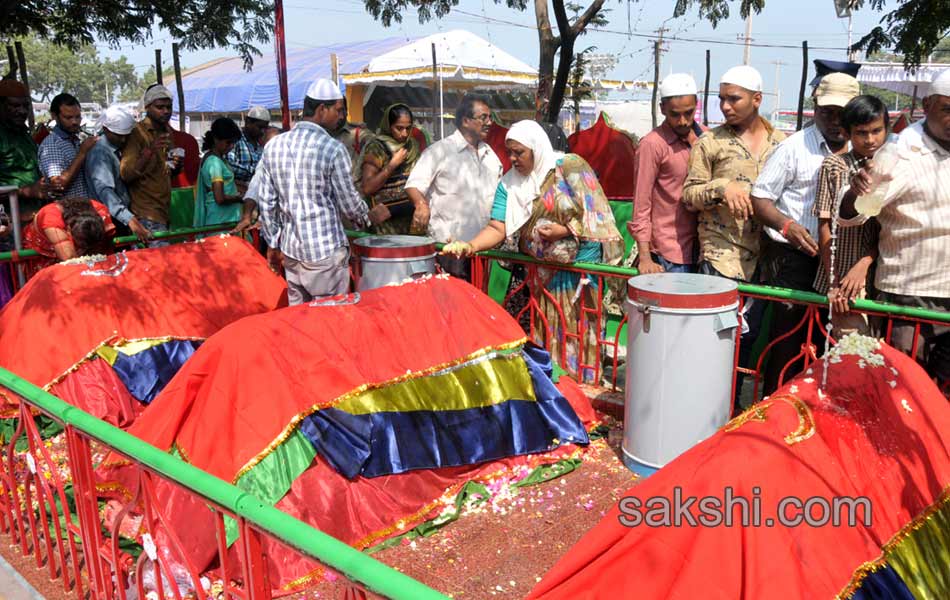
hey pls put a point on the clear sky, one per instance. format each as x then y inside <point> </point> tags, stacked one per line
<point>782,23</point>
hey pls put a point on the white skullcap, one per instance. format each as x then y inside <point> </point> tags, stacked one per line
<point>743,76</point>
<point>677,84</point>
<point>156,92</point>
<point>117,120</point>
<point>324,89</point>
<point>941,84</point>
<point>260,113</point>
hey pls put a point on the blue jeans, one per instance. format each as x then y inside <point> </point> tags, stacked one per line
<point>154,227</point>
<point>672,267</point>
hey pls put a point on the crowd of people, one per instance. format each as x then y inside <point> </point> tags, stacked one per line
<point>740,201</point>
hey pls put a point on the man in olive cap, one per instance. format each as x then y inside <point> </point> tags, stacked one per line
<point>783,197</point>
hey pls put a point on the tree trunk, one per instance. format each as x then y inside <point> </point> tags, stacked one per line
<point>547,44</point>
<point>554,93</point>
<point>565,59</point>
<point>546,80</point>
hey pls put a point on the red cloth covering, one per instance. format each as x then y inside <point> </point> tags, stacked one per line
<point>95,388</point>
<point>880,433</point>
<point>496,139</point>
<point>611,153</point>
<point>191,164</point>
<point>228,404</point>
<point>369,345</point>
<point>186,290</point>
<point>51,217</point>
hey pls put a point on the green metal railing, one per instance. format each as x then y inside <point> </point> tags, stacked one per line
<point>345,559</point>
<point>751,289</point>
<point>131,239</point>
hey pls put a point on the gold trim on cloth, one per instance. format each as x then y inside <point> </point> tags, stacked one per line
<point>302,581</point>
<point>295,421</point>
<point>942,502</point>
<point>757,412</point>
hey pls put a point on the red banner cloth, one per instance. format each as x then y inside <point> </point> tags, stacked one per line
<point>611,153</point>
<point>881,433</point>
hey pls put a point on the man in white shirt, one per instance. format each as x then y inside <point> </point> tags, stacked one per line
<point>782,199</point>
<point>914,244</point>
<point>453,183</point>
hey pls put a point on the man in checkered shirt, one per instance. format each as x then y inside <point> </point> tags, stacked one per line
<point>303,186</point>
<point>61,155</point>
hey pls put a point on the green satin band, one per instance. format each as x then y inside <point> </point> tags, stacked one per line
<point>270,479</point>
<point>921,558</point>
<point>485,381</point>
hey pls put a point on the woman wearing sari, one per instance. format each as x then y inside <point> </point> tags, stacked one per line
<point>217,198</point>
<point>385,163</point>
<point>550,206</point>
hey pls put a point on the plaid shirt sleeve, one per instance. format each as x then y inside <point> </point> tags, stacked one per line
<point>264,192</point>
<point>830,179</point>
<point>341,184</point>
<point>54,158</point>
<point>242,161</point>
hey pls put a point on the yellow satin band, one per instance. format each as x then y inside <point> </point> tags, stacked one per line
<point>921,558</point>
<point>483,383</point>
<point>111,353</point>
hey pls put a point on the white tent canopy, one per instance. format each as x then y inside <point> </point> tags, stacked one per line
<point>462,58</point>
<point>893,76</point>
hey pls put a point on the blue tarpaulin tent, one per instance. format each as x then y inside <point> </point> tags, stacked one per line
<point>224,86</point>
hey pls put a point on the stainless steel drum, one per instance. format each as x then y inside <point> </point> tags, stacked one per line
<point>386,259</point>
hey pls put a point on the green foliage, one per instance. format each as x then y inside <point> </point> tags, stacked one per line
<point>81,72</point>
<point>390,11</point>
<point>195,24</point>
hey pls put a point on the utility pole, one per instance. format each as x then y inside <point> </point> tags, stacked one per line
<point>657,50</point>
<point>747,38</point>
<point>778,88</point>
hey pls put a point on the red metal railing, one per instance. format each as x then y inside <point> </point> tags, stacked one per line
<point>594,307</point>
<point>51,509</point>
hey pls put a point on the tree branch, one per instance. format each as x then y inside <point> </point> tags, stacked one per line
<point>585,18</point>
<point>563,24</point>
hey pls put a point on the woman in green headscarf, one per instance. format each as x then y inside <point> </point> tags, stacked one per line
<point>385,164</point>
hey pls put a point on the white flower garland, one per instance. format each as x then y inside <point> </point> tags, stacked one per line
<point>87,260</point>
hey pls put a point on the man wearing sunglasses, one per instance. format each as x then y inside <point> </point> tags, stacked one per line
<point>453,183</point>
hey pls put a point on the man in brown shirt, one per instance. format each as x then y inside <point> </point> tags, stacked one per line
<point>147,163</point>
<point>723,165</point>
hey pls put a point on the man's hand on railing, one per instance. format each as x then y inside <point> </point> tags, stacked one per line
<point>140,231</point>
<point>249,216</point>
